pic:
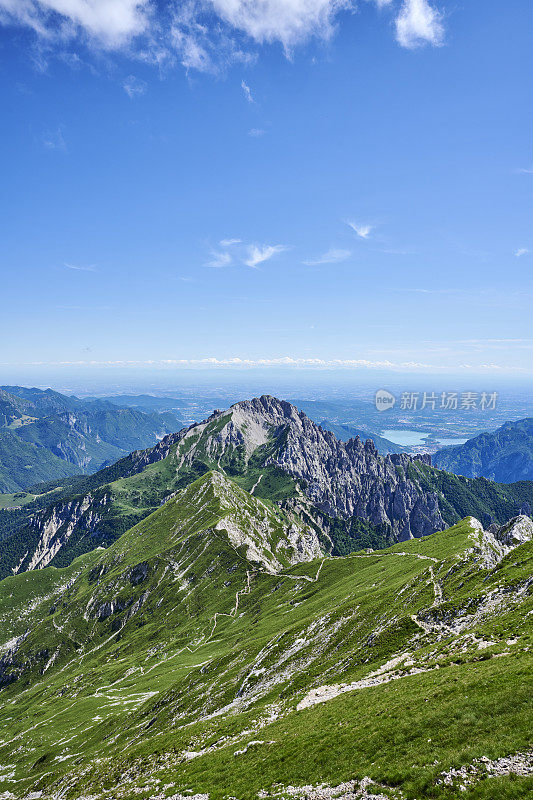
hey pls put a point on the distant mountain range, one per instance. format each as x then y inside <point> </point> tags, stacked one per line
<point>505,455</point>
<point>45,435</point>
<point>145,402</point>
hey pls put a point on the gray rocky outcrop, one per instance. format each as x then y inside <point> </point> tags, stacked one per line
<point>341,479</point>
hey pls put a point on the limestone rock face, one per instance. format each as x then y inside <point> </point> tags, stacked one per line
<point>496,542</point>
<point>515,532</point>
<point>55,526</point>
<point>341,479</point>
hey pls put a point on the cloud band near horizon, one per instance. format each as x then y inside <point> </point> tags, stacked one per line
<point>283,362</point>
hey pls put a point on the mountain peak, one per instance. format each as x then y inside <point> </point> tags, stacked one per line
<point>269,404</point>
<point>345,492</point>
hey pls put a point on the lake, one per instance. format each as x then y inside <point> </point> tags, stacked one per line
<point>405,437</point>
<point>409,438</point>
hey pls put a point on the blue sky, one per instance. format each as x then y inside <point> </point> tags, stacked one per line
<point>297,182</point>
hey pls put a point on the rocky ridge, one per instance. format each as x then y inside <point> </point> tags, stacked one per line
<point>341,479</point>
<point>263,444</point>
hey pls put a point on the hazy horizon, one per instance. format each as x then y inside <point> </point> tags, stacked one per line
<point>247,382</point>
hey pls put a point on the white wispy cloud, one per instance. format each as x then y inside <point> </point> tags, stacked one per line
<point>134,87</point>
<point>112,23</point>
<point>208,34</point>
<point>203,35</point>
<point>256,132</point>
<point>54,140</point>
<point>525,170</point>
<point>419,23</point>
<point>490,367</point>
<point>229,242</point>
<point>283,361</point>
<point>219,260</point>
<point>287,21</point>
<point>79,268</point>
<point>362,230</point>
<point>189,39</point>
<point>332,256</point>
<point>257,254</point>
<point>288,362</point>
<point>522,251</point>
<point>247,92</point>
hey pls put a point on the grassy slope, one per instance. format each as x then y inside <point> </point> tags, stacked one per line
<point>125,698</point>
